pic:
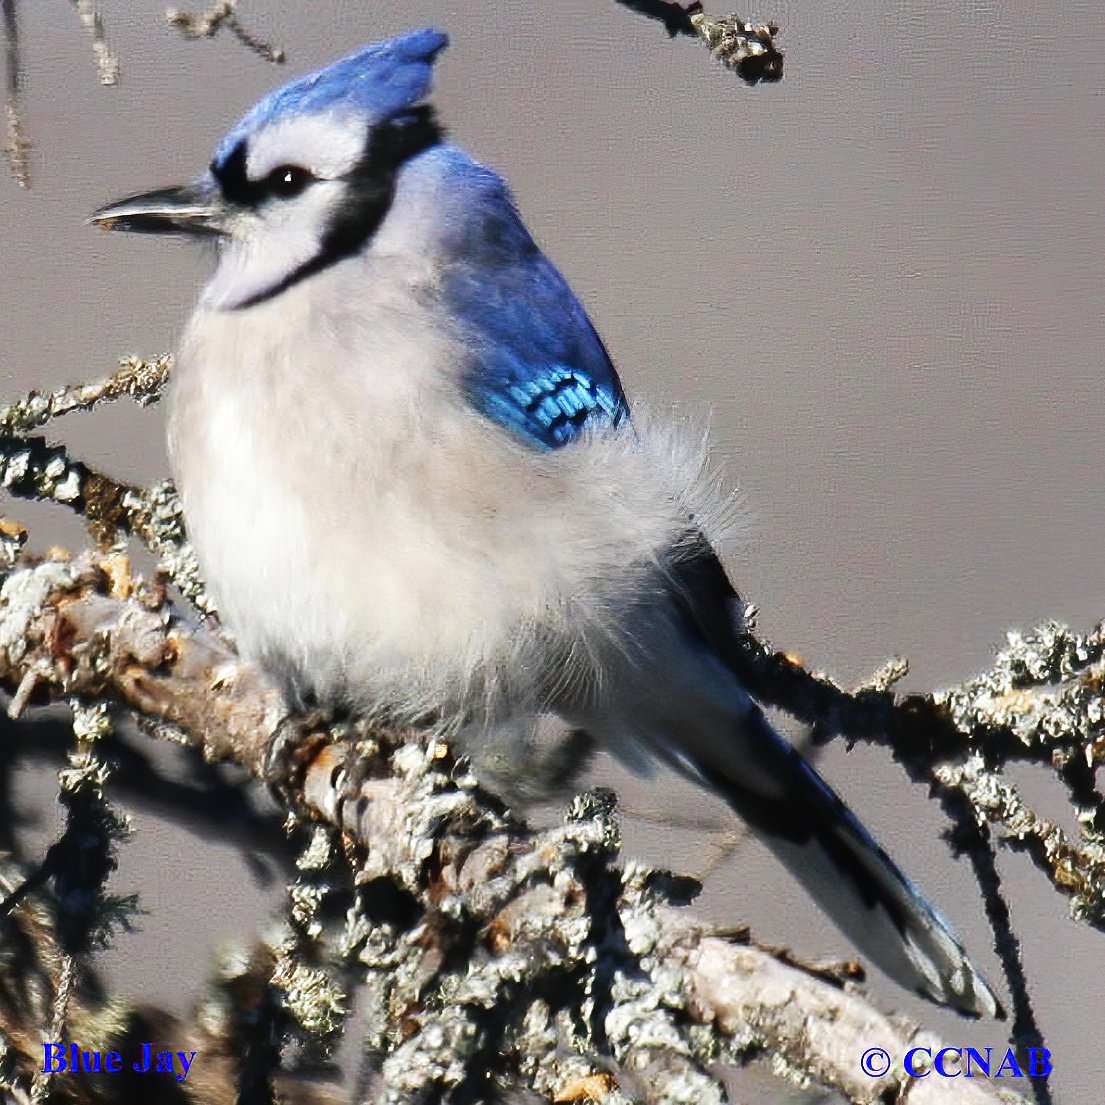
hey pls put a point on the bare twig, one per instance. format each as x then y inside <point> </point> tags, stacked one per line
<point>16,146</point>
<point>224,13</point>
<point>107,64</point>
<point>1025,1029</point>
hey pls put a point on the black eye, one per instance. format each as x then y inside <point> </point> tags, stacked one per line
<point>286,181</point>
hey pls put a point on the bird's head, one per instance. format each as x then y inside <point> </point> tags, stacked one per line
<point>306,176</point>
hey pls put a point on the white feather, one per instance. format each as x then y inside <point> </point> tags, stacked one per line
<point>367,532</point>
<point>327,144</point>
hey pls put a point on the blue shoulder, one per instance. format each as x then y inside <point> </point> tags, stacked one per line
<point>537,368</point>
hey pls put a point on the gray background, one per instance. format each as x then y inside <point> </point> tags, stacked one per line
<point>879,280</point>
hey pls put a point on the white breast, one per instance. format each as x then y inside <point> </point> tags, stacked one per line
<point>370,537</point>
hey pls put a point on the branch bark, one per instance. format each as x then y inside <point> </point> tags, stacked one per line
<point>524,956</point>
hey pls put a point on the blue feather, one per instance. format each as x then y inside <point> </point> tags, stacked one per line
<point>537,367</point>
<point>547,405</point>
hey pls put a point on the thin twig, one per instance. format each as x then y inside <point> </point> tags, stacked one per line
<point>107,64</point>
<point>16,145</point>
<point>1025,1031</point>
<point>208,23</point>
<point>63,993</point>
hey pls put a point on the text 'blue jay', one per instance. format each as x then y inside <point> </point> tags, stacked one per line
<point>410,475</point>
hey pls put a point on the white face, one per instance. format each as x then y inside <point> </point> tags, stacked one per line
<point>284,195</point>
<point>326,145</point>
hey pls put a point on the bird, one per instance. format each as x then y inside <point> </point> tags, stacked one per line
<point>411,476</point>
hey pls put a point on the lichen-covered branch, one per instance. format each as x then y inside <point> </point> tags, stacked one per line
<point>30,468</point>
<point>32,967</point>
<point>1078,869</point>
<point>136,378</point>
<point>490,952</point>
<point>745,47</point>
<point>1041,703</point>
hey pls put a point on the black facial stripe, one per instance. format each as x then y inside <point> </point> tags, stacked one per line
<point>371,186</point>
<point>234,184</point>
<point>372,180</point>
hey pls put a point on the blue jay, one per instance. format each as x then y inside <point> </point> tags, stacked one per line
<point>409,473</point>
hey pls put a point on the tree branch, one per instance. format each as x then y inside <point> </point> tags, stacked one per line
<point>746,48</point>
<point>488,936</point>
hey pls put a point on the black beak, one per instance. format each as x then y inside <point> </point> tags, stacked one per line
<point>196,209</point>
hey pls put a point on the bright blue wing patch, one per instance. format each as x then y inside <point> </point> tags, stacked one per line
<point>548,406</point>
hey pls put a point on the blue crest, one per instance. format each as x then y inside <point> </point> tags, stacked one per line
<point>376,81</point>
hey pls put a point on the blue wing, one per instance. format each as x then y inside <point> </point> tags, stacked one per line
<point>547,405</point>
<point>538,368</point>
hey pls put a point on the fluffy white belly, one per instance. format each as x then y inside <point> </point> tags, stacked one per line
<point>372,539</point>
